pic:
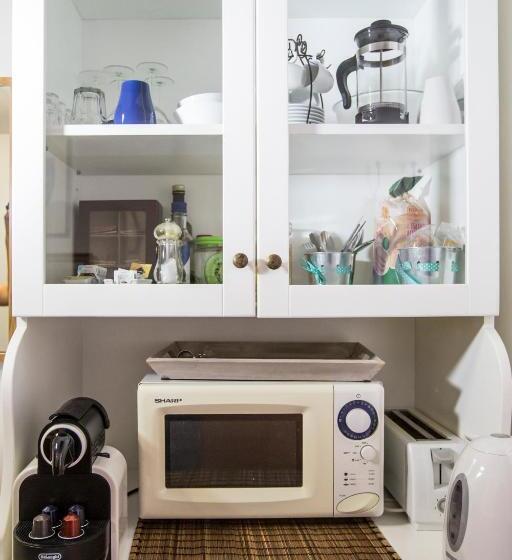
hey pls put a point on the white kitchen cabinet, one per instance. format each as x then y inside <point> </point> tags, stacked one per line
<point>252,177</point>
<point>247,180</point>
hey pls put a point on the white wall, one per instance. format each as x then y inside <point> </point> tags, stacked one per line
<point>5,37</point>
<point>115,350</point>
<point>504,322</point>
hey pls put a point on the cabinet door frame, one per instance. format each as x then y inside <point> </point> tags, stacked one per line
<point>28,158</point>
<point>480,295</point>
<point>273,155</point>
<point>31,296</point>
<point>239,152</point>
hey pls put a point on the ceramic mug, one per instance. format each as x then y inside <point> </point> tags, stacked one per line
<point>296,76</point>
<point>135,105</point>
<point>324,81</point>
<point>439,105</point>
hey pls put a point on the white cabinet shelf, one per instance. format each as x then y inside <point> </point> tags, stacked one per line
<point>140,149</point>
<point>351,149</point>
<point>409,543</point>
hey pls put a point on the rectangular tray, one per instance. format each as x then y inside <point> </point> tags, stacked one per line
<point>267,361</point>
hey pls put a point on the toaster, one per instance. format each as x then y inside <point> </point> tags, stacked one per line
<point>418,463</point>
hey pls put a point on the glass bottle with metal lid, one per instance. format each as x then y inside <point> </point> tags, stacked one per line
<point>169,266</point>
<point>380,64</point>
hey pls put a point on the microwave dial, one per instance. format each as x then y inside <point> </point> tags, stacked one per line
<point>358,420</point>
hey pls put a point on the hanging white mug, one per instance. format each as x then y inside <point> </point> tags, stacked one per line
<point>296,76</point>
<point>439,105</point>
<point>324,81</point>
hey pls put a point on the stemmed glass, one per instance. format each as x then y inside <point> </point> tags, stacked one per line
<point>155,73</point>
<point>92,78</point>
<point>119,74</point>
<point>53,121</point>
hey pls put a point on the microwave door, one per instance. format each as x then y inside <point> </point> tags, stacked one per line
<point>234,450</point>
<point>268,457</point>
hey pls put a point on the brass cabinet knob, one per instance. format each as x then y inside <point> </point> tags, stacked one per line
<point>240,260</point>
<point>274,262</point>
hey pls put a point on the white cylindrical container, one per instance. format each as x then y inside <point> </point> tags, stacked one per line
<point>439,105</point>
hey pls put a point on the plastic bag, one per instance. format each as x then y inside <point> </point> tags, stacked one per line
<point>424,237</point>
<point>444,235</point>
<point>448,235</point>
<point>400,215</point>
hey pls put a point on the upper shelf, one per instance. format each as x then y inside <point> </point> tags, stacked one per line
<point>326,149</point>
<point>354,149</point>
<point>162,149</point>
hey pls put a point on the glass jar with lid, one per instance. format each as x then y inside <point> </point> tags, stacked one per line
<point>207,260</point>
<point>169,266</point>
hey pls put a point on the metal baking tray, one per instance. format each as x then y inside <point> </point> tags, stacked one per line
<point>267,361</point>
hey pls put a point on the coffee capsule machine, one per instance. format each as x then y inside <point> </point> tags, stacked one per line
<point>70,502</point>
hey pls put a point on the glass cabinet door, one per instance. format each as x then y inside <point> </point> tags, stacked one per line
<point>368,185</point>
<point>144,113</point>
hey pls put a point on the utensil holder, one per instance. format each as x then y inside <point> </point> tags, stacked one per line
<point>330,268</point>
<point>431,265</point>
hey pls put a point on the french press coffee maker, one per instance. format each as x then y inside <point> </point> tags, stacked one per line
<point>381,71</point>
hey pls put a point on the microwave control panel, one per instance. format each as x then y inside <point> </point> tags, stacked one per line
<point>358,449</point>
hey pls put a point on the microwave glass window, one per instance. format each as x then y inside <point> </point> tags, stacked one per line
<point>233,451</point>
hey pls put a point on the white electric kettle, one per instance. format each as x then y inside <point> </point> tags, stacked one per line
<point>478,520</point>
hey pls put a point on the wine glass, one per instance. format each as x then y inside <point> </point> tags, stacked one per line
<point>118,74</point>
<point>155,73</point>
<point>158,83</point>
<point>92,78</point>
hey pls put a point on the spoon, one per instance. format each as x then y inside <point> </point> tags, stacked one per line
<point>317,241</point>
<point>324,237</point>
<point>331,244</point>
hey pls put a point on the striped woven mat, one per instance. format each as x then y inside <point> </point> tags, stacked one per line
<point>284,539</point>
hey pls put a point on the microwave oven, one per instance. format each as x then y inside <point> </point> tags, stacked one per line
<point>223,449</point>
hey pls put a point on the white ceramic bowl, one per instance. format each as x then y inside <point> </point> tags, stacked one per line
<point>301,97</point>
<point>205,112</point>
<point>200,98</point>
